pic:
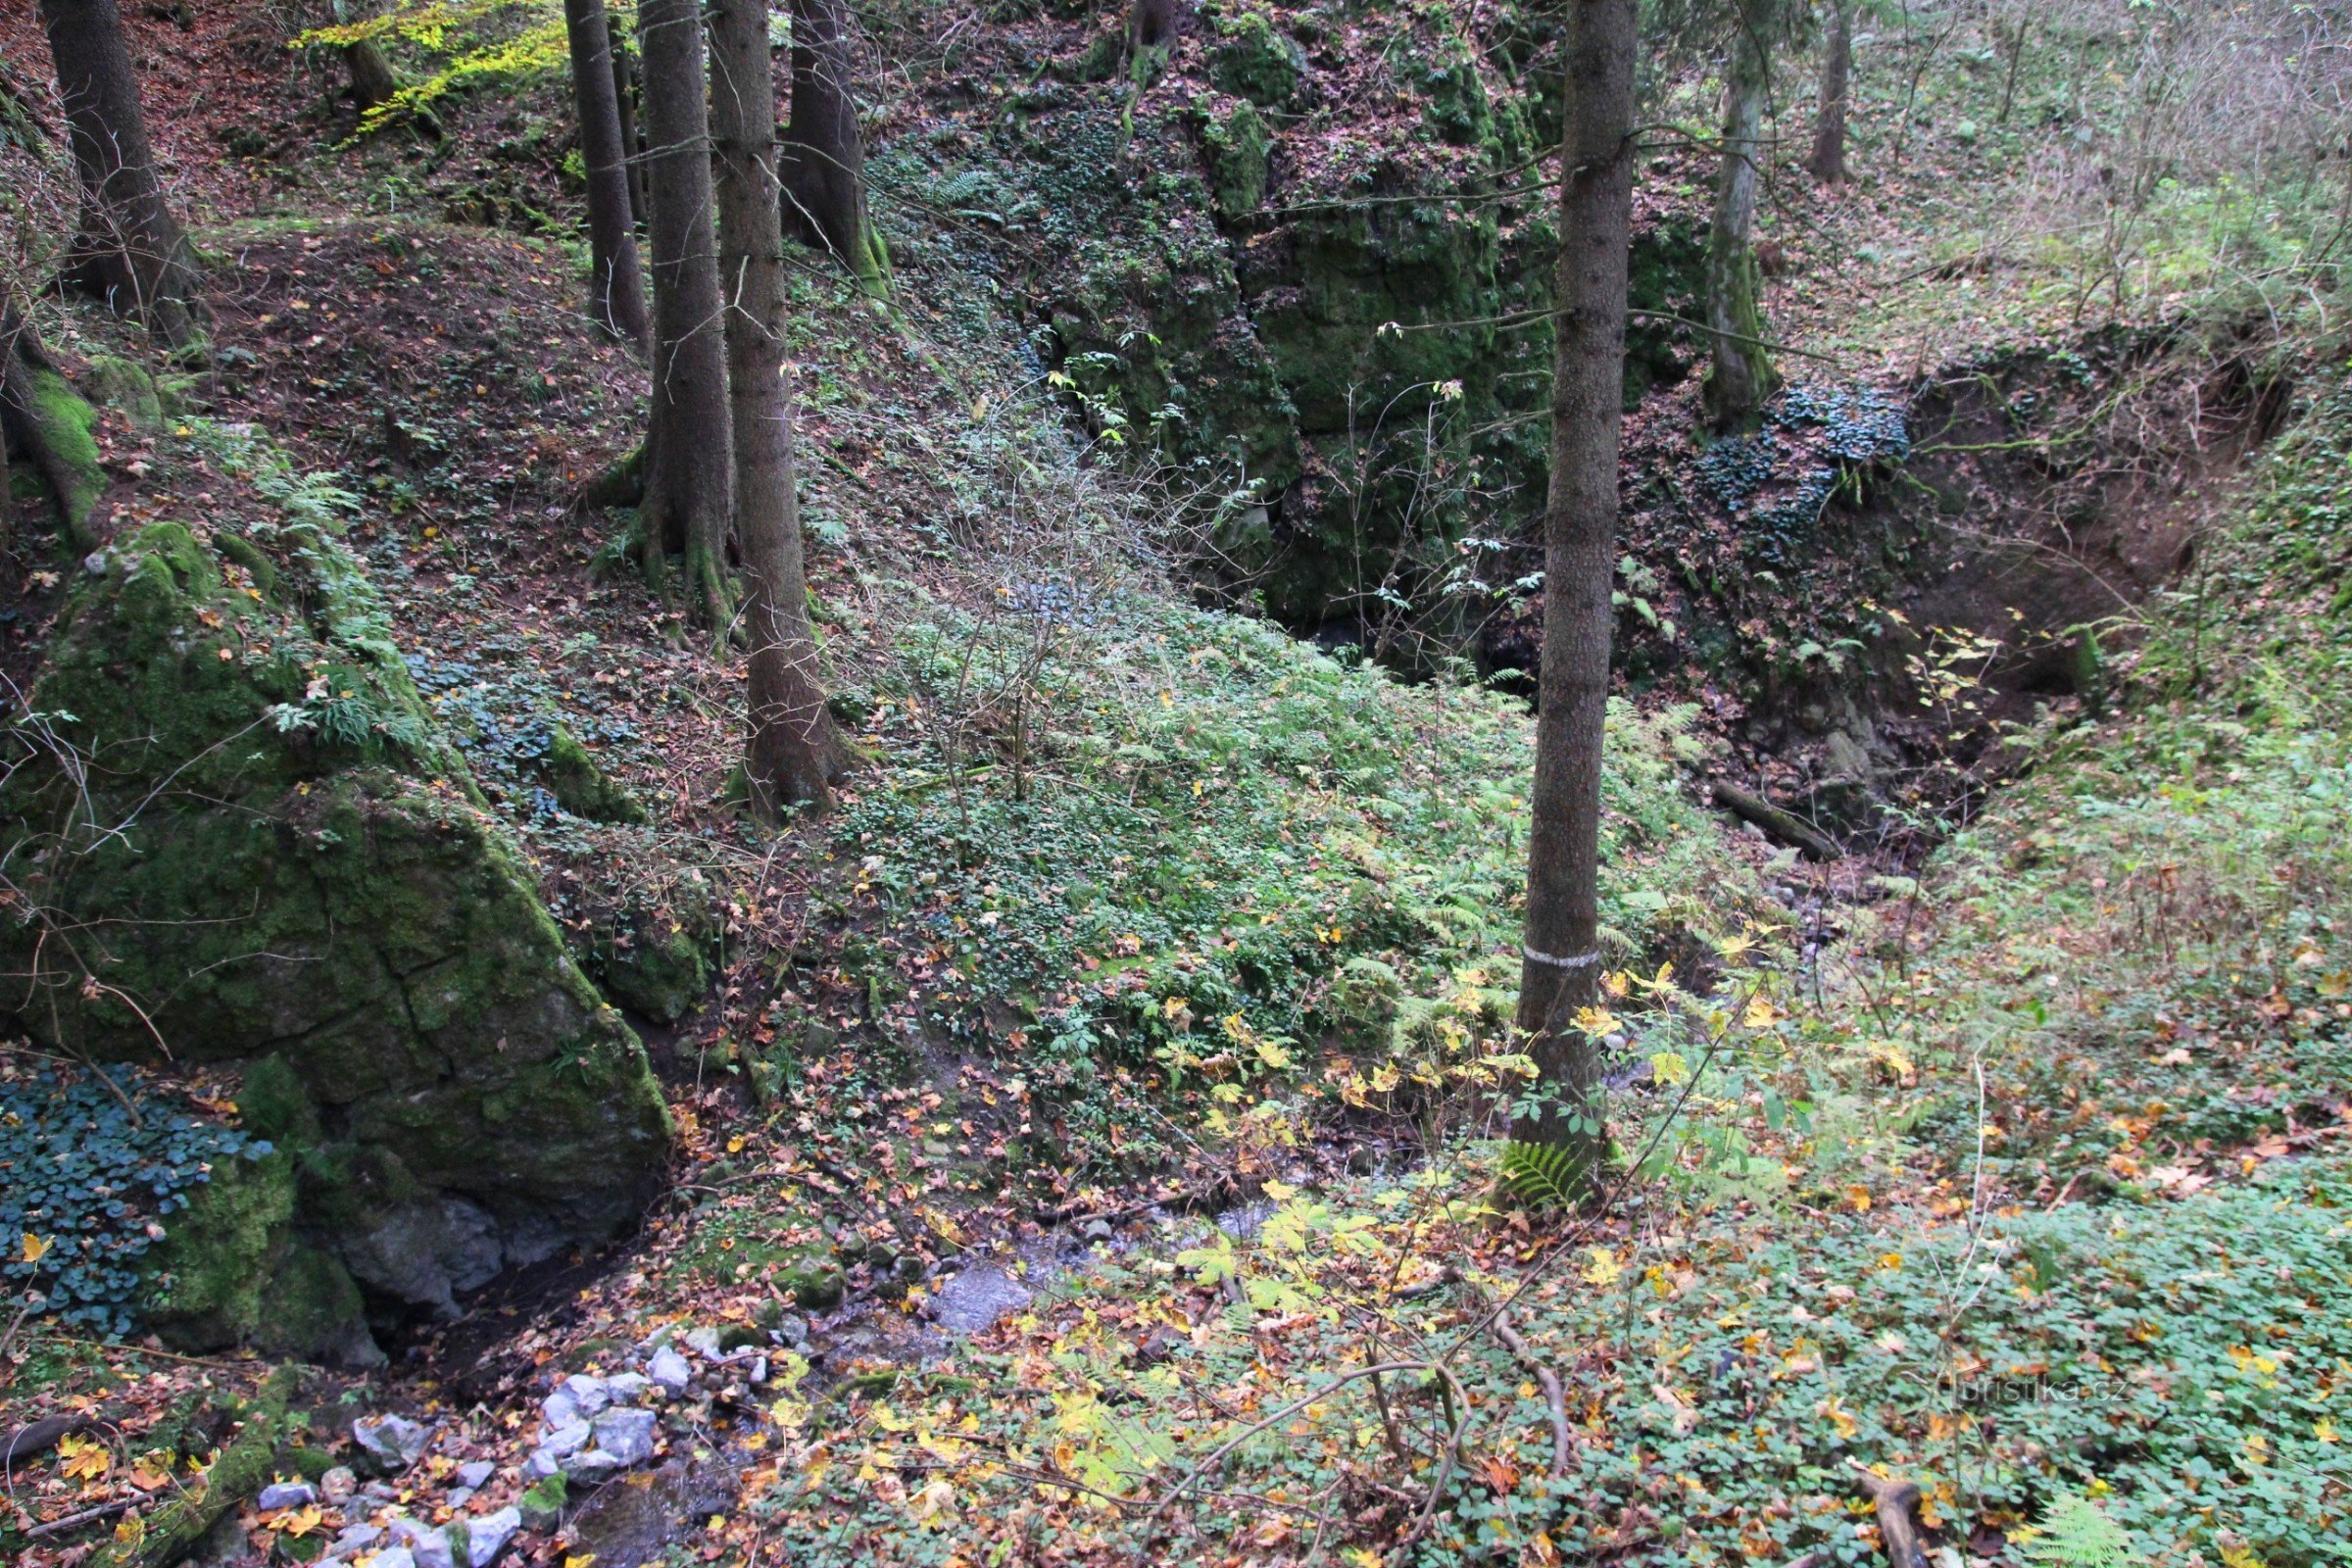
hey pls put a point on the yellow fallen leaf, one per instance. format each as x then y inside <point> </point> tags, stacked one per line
<point>37,1248</point>
<point>83,1459</point>
<point>1601,1266</point>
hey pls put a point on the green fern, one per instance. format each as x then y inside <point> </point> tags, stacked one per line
<point>2076,1533</point>
<point>1540,1175</point>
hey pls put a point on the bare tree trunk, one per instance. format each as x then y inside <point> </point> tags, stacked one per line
<point>793,754</point>
<point>625,97</point>
<point>374,82</point>
<point>823,158</point>
<point>689,456</point>
<point>1836,68</point>
<point>2017,57</point>
<point>1149,23</point>
<point>1557,1149</point>
<point>130,251</point>
<point>1741,376</point>
<point>616,290</point>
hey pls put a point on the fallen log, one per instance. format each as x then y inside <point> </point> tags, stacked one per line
<point>1781,824</point>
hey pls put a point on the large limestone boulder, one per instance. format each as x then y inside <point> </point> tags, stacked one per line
<point>237,836</point>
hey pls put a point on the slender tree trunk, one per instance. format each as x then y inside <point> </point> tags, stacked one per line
<point>823,158</point>
<point>1836,68</point>
<point>616,290</point>
<point>625,97</point>
<point>1149,23</point>
<point>2017,56</point>
<point>690,460</point>
<point>1557,1151</point>
<point>1741,376</point>
<point>792,753</point>
<point>130,251</point>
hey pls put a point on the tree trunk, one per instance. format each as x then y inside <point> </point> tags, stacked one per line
<point>130,251</point>
<point>793,754</point>
<point>823,159</point>
<point>688,454</point>
<point>374,82</point>
<point>625,96</point>
<point>1836,65</point>
<point>616,290</point>
<point>1741,376</point>
<point>1558,1147</point>
<point>1149,23</point>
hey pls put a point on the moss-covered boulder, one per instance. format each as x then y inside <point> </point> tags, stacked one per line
<point>1254,60</point>
<point>241,838</point>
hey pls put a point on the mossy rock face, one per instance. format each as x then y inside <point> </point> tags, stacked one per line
<point>1254,61</point>
<point>1238,150</point>
<point>279,862</point>
<point>123,386</point>
<point>583,788</point>
<point>656,958</point>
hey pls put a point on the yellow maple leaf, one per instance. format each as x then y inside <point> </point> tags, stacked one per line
<point>37,1248</point>
<point>2324,1430</point>
<point>1758,1013</point>
<point>1601,1266</point>
<point>1597,1020</point>
<point>83,1459</point>
<point>298,1521</point>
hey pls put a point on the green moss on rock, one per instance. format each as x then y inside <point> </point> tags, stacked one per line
<point>291,869</point>
<point>1237,149</point>
<point>1256,61</point>
<point>125,387</point>
<point>583,788</point>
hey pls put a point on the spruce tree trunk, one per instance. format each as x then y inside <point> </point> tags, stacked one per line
<point>792,753</point>
<point>625,97</point>
<point>1837,67</point>
<point>1742,376</point>
<point>130,251</point>
<point>615,289</point>
<point>1555,1153</point>
<point>823,158</point>
<point>690,458</point>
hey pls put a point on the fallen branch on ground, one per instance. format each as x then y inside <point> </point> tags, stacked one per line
<point>1898,1526</point>
<point>1781,824</point>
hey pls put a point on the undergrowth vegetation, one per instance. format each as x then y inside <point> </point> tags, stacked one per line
<point>1130,843</point>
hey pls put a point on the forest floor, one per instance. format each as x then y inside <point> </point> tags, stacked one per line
<point>2020,1177</point>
